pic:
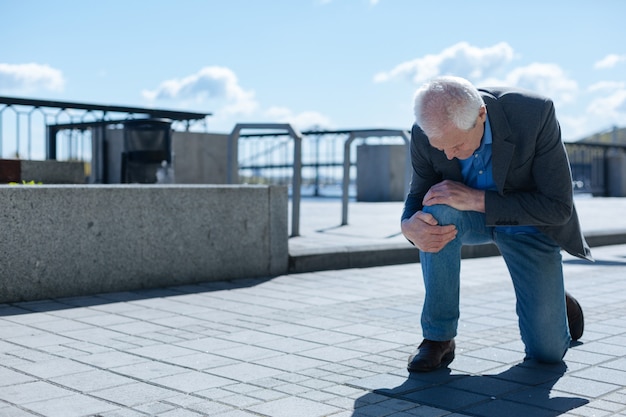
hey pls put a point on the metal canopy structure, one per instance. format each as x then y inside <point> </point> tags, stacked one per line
<point>90,120</point>
<point>66,105</point>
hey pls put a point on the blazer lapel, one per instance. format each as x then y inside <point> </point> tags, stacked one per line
<point>502,150</point>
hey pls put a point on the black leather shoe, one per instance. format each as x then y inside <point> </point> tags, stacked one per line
<point>575,318</point>
<point>431,355</point>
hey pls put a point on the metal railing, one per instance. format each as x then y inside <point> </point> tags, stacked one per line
<point>284,156</point>
<point>267,158</point>
<point>233,164</point>
<point>589,166</point>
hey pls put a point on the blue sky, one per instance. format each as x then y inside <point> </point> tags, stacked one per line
<point>336,64</point>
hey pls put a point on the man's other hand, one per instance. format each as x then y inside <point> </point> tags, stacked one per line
<point>424,231</point>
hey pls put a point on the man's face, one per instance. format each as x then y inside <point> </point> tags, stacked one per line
<point>461,144</point>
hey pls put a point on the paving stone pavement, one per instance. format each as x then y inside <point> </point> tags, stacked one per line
<point>326,343</point>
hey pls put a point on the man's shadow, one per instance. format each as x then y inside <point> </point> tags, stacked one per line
<point>522,390</point>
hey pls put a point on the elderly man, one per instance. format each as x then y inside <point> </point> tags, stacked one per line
<point>489,166</point>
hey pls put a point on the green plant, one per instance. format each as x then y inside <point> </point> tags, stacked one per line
<point>31,182</point>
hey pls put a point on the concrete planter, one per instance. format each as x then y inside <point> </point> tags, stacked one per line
<point>71,240</point>
<point>381,173</point>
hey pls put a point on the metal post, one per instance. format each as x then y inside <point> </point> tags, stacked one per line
<point>233,164</point>
<point>346,162</point>
<point>316,191</point>
<point>297,183</point>
<point>51,143</point>
<point>345,188</point>
<point>1,128</point>
<point>17,136</point>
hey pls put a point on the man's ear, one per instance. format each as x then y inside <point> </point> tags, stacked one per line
<point>482,113</point>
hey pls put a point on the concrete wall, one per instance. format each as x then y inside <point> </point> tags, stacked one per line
<point>48,172</point>
<point>60,241</point>
<point>199,158</point>
<point>54,172</point>
<point>380,172</point>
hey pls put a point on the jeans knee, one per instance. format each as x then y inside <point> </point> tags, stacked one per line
<point>443,213</point>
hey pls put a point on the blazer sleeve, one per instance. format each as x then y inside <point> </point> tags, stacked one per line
<point>422,177</point>
<point>429,168</point>
<point>538,186</point>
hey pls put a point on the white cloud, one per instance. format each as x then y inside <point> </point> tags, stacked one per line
<point>606,108</point>
<point>28,78</point>
<point>609,61</point>
<point>547,79</point>
<point>611,107</point>
<point>606,86</point>
<point>215,84</point>
<point>575,127</point>
<point>233,104</point>
<point>482,66</point>
<point>302,121</point>
<point>461,59</point>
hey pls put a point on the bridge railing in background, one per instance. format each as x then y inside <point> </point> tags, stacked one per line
<point>285,156</point>
<point>597,168</point>
<point>267,157</point>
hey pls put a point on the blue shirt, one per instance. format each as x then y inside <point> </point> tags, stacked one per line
<point>478,173</point>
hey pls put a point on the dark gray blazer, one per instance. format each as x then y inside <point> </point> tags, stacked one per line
<point>530,168</point>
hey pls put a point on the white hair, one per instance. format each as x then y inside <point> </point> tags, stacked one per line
<point>445,100</point>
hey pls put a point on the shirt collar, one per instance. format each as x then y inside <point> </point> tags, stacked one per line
<point>487,138</point>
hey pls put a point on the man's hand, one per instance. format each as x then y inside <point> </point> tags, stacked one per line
<point>423,230</point>
<point>456,195</point>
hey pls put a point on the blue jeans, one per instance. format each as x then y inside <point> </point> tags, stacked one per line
<point>535,265</point>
